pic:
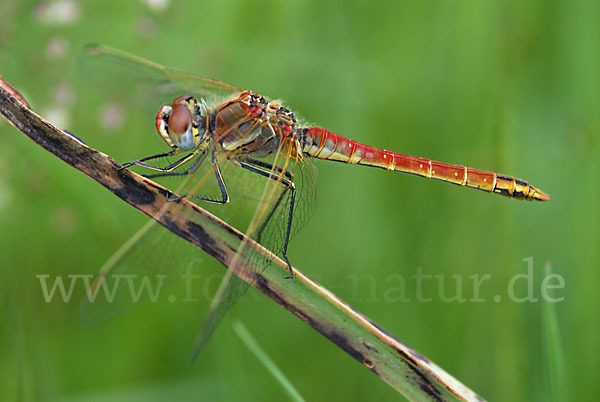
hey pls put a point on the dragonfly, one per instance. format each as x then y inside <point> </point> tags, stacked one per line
<point>245,146</point>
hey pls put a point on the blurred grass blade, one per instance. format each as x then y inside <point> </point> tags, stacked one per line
<point>553,350</point>
<point>270,365</point>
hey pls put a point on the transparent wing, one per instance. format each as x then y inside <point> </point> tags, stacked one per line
<point>277,205</point>
<point>150,85</point>
<point>269,227</point>
<point>137,273</point>
<point>231,289</point>
<point>154,258</point>
<point>148,262</point>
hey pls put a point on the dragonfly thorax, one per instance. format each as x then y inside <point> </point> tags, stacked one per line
<point>183,123</point>
<point>250,124</point>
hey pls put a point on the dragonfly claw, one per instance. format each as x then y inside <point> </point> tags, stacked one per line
<point>170,197</point>
<point>125,165</point>
<point>291,275</point>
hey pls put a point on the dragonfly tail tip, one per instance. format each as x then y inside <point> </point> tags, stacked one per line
<point>539,195</point>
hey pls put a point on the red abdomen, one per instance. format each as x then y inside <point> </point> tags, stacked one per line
<point>323,144</point>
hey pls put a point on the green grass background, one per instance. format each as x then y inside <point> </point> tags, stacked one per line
<point>509,86</point>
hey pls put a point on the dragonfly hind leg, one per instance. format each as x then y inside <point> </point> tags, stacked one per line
<point>248,164</point>
<point>287,174</point>
<point>270,167</point>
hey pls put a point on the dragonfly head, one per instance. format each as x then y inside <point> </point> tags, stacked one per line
<point>182,124</point>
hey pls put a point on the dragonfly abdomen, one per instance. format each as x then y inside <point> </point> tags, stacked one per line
<point>323,144</point>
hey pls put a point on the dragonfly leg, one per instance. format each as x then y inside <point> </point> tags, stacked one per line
<point>270,167</point>
<point>147,158</point>
<point>289,186</point>
<point>224,194</point>
<point>192,169</point>
<point>166,174</point>
<point>166,169</point>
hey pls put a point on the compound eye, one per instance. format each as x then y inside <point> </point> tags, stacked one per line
<point>180,127</point>
<point>180,120</point>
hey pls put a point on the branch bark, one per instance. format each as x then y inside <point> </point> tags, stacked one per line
<point>403,368</point>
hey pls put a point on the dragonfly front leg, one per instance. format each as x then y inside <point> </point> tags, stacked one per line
<point>224,194</point>
<point>168,168</point>
<point>192,169</point>
<point>289,186</point>
<point>147,158</point>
